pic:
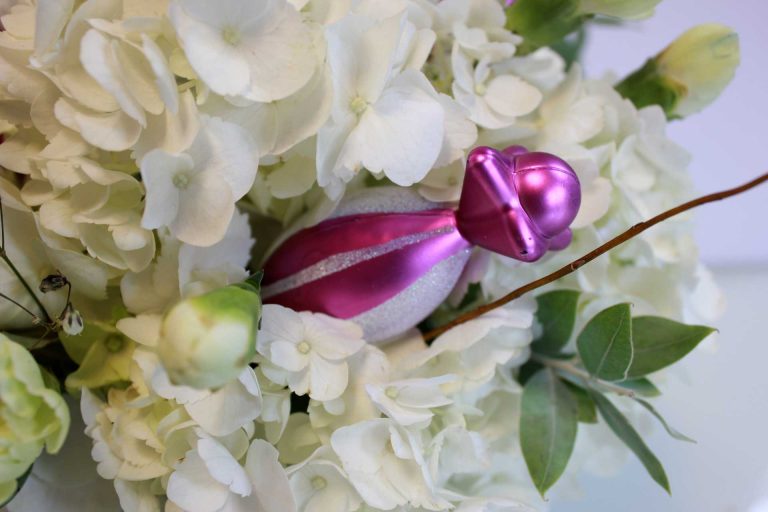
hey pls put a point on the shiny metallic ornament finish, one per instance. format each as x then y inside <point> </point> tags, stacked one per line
<point>389,258</point>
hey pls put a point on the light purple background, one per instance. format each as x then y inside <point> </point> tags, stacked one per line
<point>728,140</point>
<point>722,398</point>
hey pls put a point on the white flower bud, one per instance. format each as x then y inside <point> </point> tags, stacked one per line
<point>688,75</point>
<point>207,341</point>
<point>703,61</point>
<point>71,320</point>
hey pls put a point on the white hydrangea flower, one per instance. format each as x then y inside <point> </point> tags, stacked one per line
<point>384,120</point>
<point>369,366</point>
<point>477,26</point>
<point>474,349</point>
<point>307,351</point>
<point>409,402</point>
<point>386,465</point>
<point>494,100</point>
<point>183,270</point>
<point>194,193</point>
<point>261,51</point>
<point>570,115</point>
<point>218,413</point>
<point>210,479</point>
<point>98,207</point>
<point>319,484</point>
<point>111,74</point>
<point>279,125</point>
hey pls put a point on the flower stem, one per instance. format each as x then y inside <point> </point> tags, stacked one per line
<point>574,265</point>
<point>568,367</point>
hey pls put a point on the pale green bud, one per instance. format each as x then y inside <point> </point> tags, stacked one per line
<point>703,61</point>
<point>32,416</point>
<point>625,9</point>
<point>689,74</point>
<point>208,340</point>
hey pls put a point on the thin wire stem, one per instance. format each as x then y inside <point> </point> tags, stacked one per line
<point>578,263</point>
<point>34,316</point>
<point>4,257</point>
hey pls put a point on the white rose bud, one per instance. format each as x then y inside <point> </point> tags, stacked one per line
<point>207,341</point>
<point>689,74</point>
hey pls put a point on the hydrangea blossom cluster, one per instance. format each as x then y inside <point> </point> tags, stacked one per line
<point>147,145</point>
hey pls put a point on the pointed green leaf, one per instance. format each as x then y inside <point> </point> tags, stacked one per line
<point>587,410</point>
<point>626,432</point>
<point>548,425</point>
<point>659,342</point>
<point>671,431</point>
<point>557,314</point>
<point>605,343</point>
<point>641,386</point>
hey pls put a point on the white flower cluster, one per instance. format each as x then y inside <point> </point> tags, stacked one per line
<point>132,132</point>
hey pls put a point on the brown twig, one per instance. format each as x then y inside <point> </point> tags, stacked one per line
<point>614,242</point>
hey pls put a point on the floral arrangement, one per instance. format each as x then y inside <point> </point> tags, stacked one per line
<point>155,154</point>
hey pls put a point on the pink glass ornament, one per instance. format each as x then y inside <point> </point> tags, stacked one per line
<point>389,258</point>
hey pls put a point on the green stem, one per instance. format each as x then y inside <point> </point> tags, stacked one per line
<point>568,367</point>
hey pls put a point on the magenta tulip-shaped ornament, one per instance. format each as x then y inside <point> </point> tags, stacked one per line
<point>387,258</point>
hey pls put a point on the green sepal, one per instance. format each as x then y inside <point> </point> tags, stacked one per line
<point>645,87</point>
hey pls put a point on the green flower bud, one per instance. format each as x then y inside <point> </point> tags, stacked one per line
<point>32,416</point>
<point>689,74</point>
<point>625,9</point>
<point>206,341</point>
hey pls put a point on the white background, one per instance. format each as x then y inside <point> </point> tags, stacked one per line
<point>722,401</point>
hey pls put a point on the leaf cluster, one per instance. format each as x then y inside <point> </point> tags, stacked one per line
<point>614,355</point>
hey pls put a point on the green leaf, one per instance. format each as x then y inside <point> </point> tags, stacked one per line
<point>622,428</point>
<point>641,386</point>
<point>659,342</point>
<point>548,425</point>
<point>543,22</point>
<point>605,343</point>
<point>587,410</point>
<point>671,431</point>
<point>557,314</point>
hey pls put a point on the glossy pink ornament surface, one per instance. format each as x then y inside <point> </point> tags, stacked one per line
<point>365,266</point>
<point>518,203</point>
